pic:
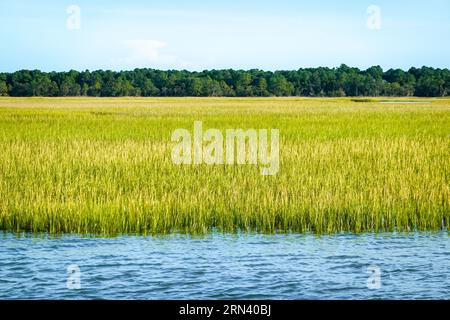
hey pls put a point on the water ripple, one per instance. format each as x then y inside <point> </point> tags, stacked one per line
<point>222,266</point>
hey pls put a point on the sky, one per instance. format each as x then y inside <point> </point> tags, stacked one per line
<point>55,35</point>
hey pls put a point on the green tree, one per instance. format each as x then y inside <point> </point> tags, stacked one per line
<point>69,88</point>
<point>342,81</point>
<point>149,89</point>
<point>429,86</point>
<point>194,87</point>
<point>279,86</point>
<point>3,88</point>
<point>244,84</point>
<point>262,88</point>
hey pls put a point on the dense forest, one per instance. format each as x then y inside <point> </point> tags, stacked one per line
<point>311,82</point>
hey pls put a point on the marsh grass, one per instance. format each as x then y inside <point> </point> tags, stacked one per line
<point>103,166</point>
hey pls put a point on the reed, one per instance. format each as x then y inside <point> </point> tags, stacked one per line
<point>103,166</point>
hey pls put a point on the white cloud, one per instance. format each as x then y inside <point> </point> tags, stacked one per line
<point>144,53</point>
<point>147,51</point>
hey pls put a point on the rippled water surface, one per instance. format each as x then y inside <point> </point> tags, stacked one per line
<point>218,266</point>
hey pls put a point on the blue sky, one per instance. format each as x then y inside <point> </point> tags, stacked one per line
<point>240,34</point>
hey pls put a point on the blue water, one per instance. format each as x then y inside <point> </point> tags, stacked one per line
<point>223,266</point>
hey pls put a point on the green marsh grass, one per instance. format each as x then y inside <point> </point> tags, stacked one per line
<point>103,166</point>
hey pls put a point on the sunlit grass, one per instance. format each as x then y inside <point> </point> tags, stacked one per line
<point>103,166</point>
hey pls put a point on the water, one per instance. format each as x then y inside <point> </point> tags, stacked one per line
<point>404,102</point>
<point>218,266</point>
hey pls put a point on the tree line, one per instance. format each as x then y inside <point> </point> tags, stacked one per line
<point>311,82</point>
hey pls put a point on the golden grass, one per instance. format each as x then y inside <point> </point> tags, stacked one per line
<point>103,166</point>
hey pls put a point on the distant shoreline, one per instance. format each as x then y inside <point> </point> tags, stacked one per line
<point>343,81</point>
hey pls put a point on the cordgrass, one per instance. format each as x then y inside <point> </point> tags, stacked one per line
<point>103,166</point>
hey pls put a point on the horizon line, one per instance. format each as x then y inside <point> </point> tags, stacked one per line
<point>228,69</point>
